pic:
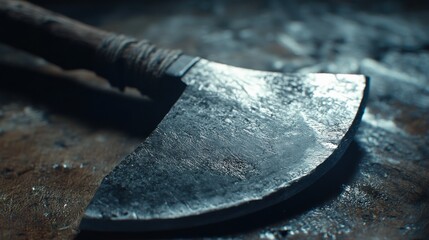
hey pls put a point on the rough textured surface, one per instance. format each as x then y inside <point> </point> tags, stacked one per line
<point>235,142</point>
<point>379,189</point>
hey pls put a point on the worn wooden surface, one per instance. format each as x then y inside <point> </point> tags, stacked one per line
<point>61,132</point>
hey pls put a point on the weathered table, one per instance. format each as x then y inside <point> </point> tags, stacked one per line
<point>61,132</point>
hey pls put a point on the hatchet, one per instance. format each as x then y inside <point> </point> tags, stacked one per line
<point>235,142</point>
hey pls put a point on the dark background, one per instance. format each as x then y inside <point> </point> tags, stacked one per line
<point>62,131</point>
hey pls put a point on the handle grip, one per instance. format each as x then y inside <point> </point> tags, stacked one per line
<point>71,44</point>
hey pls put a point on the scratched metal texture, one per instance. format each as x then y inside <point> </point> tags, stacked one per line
<point>58,138</point>
<point>235,142</point>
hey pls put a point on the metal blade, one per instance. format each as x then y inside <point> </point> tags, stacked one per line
<point>235,142</point>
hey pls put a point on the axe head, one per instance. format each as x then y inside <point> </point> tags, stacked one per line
<point>236,141</point>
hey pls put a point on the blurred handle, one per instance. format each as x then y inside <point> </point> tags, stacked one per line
<point>124,61</point>
<point>63,41</point>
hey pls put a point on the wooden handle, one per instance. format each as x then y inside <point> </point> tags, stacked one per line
<point>61,40</point>
<point>122,60</point>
